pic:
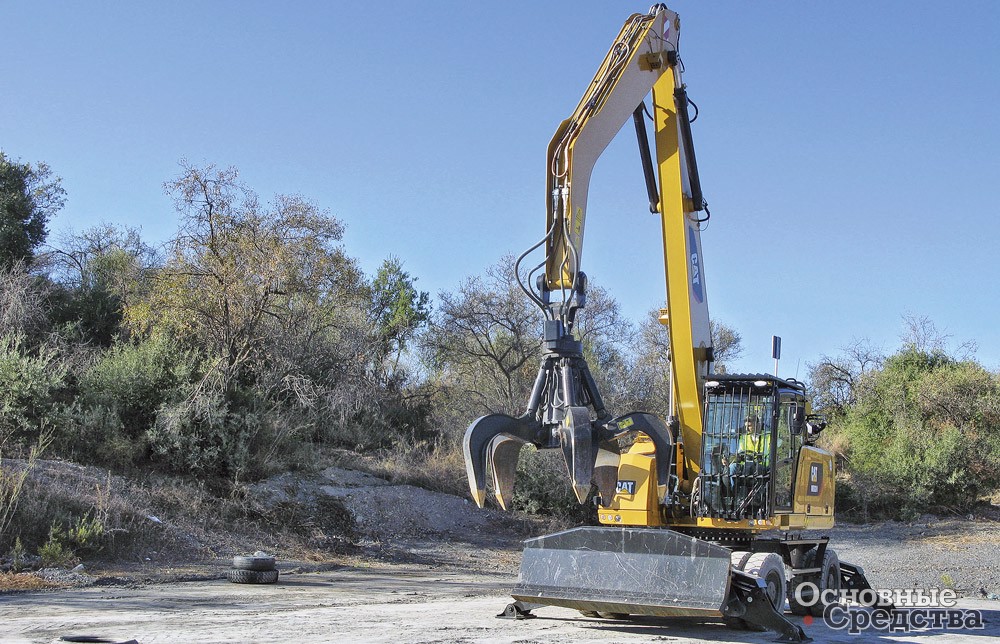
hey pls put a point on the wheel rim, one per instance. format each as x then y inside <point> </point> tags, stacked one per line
<point>832,580</point>
<point>773,588</point>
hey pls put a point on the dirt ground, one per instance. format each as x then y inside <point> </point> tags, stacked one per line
<point>390,604</point>
<point>431,567</point>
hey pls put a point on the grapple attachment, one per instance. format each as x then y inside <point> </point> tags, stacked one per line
<point>564,411</point>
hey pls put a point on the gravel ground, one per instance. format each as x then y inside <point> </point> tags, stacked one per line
<point>434,568</point>
<point>384,604</point>
<point>928,553</point>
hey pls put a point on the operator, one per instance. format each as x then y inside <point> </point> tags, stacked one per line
<point>753,450</point>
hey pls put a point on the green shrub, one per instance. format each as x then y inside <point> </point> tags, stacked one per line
<point>17,554</point>
<point>55,552</point>
<point>543,487</point>
<point>923,436</point>
<point>30,386</point>
<point>133,380</point>
<point>95,434</point>
<point>206,435</point>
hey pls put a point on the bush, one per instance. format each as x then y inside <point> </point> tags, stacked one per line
<point>542,486</point>
<point>206,435</point>
<point>55,553</point>
<point>133,380</point>
<point>84,535</point>
<point>923,436</point>
<point>30,387</point>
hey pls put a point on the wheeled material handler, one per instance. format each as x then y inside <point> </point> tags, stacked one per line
<point>702,512</point>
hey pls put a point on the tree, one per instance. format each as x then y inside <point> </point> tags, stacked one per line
<point>834,380</point>
<point>923,433</point>
<point>239,271</point>
<point>608,339</point>
<point>397,312</point>
<point>29,197</point>
<point>265,301</point>
<point>921,334</point>
<point>100,273</point>
<point>652,358</point>
<point>727,344</point>
<point>22,298</point>
<point>484,340</point>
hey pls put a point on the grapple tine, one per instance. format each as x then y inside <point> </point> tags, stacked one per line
<point>477,443</point>
<point>606,469</point>
<point>576,437</point>
<point>501,461</point>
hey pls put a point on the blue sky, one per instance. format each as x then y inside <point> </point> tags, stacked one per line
<point>849,150</point>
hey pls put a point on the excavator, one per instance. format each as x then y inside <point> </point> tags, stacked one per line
<point>706,511</point>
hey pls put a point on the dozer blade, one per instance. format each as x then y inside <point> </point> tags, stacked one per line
<point>492,443</point>
<point>638,571</point>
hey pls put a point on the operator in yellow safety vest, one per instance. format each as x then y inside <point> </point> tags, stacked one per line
<point>753,454</point>
<point>753,444</point>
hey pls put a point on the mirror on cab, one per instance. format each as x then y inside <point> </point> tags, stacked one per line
<point>814,425</point>
<point>797,418</point>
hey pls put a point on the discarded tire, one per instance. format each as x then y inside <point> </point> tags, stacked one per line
<point>254,562</point>
<point>238,576</point>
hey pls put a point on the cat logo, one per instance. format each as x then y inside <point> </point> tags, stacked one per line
<point>696,287</point>
<point>815,479</point>
<point>625,487</point>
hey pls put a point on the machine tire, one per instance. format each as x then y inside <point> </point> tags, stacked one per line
<point>238,576</point>
<point>794,605</point>
<point>770,567</point>
<point>254,562</point>
<point>761,563</point>
<point>827,579</point>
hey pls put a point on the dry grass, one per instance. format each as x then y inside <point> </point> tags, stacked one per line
<point>956,542</point>
<point>15,581</point>
<point>160,521</point>
<point>441,469</point>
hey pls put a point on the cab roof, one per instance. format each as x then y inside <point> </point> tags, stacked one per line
<point>750,378</point>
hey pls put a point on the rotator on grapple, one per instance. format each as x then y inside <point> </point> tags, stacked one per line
<point>685,503</point>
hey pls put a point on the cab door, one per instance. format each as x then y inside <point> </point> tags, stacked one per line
<point>787,443</point>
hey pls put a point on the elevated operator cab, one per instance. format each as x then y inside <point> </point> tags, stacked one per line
<point>759,468</point>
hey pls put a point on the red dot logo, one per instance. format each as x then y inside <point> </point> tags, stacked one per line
<point>807,620</point>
